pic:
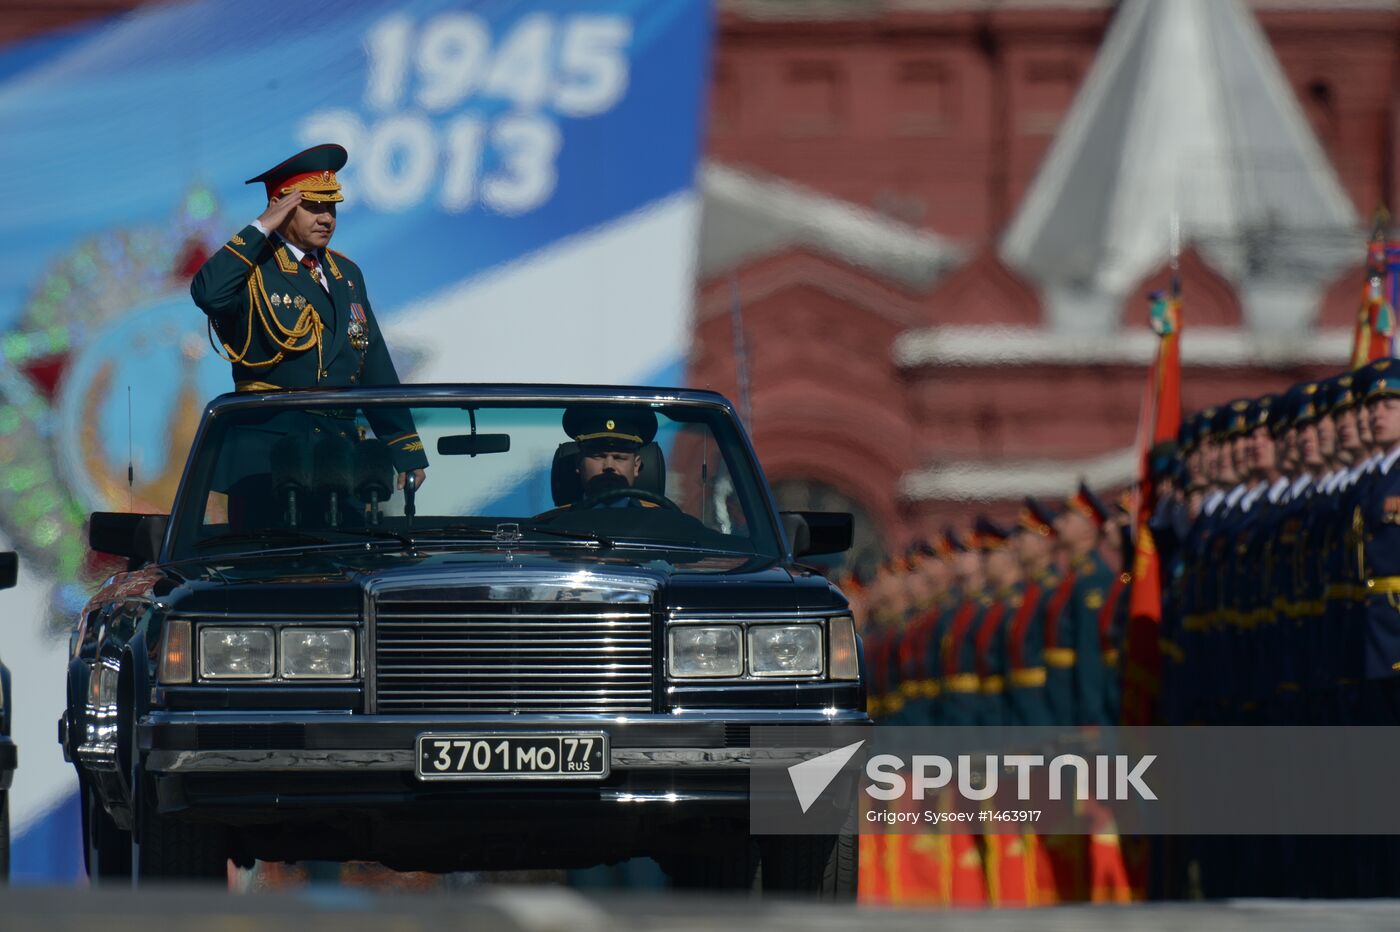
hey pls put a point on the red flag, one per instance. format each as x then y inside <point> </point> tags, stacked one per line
<point>1375,321</point>
<point>1160,420</point>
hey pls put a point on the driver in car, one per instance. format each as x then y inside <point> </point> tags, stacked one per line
<point>609,451</point>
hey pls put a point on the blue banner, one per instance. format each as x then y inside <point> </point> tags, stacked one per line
<point>520,196</point>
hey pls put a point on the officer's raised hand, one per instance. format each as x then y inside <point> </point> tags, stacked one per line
<point>279,208</point>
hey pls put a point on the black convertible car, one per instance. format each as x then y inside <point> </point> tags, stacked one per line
<point>517,665</point>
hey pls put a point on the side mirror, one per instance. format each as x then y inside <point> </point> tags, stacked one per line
<point>9,569</point>
<point>813,533</point>
<point>136,537</point>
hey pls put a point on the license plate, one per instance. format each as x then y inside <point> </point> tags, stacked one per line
<point>571,756</point>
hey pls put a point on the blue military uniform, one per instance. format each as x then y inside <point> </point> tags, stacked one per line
<point>1171,527</point>
<point>1381,522</point>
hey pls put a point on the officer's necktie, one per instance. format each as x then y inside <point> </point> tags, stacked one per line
<point>309,260</point>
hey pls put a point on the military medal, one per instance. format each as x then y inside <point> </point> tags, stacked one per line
<point>358,330</point>
<point>298,302</point>
<point>286,299</point>
<point>276,299</point>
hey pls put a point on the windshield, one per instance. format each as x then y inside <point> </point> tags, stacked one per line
<point>603,474</point>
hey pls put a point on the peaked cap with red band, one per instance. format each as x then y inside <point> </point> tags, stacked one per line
<point>951,543</point>
<point>1088,504</point>
<point>1036,518</point>
<point>989,535</point>
<point>312,172</point>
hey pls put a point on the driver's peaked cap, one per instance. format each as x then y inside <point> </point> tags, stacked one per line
<point>598,428</point>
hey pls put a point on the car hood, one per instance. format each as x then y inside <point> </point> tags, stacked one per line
<point>333,582</point>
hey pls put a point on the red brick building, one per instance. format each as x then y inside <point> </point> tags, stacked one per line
<point>922,379</point>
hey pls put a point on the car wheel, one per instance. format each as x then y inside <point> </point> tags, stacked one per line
<point>108,850</point>
<point>823,867</point>
<point>4,838</point>
<point>734,866</point>
<point>171,849</point>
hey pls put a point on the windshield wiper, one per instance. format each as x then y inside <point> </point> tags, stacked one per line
<point>378,533</point>
<point>605,542</point>
<point>466,530</point>
<point>263,536</point>
<point>293,536</point>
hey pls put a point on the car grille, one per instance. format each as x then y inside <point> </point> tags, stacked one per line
<point>437,657</point>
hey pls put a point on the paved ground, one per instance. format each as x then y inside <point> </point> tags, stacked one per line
<point>556,909</point>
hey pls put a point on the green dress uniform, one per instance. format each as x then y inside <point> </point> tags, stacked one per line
<point>279,328</point>
<point>960,687</point>
<point>1025,635</point>
<point>1074,682</point>
<point>1025,653</point>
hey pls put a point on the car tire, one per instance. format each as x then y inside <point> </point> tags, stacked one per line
<point>164,848</point>
<point>108,849</point>
<point>4,839</point>
<point>825,867</point>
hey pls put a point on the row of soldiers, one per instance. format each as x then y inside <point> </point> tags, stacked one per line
<point>1281,601</point>
<point>997,626</point>
<point>1276,521</point>
<point>1283,556</point>
<point>1001,626</point>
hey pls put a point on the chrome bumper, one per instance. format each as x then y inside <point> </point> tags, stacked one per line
<point>402,759</point>
<point>355,743</point>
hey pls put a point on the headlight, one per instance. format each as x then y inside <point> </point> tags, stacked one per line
<point>236,653</point>
<point>318,653</point>
<point>705,650</point>
<point>841,650</point>
<point>785,650</point>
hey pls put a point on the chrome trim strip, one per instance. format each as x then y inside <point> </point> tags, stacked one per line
<point>606,647</point>
<point>371,649</point>
<point>405,759</point>
<point>454,393</point>
<point>514,587</point>
<point>773,717</point>
<point>742,617</point>
<point>507,617</point>
<point>269,617</point>
<point>90,755</point>
<point>538,671</point>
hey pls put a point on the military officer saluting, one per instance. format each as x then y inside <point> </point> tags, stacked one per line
<point>289,312</point>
